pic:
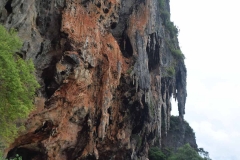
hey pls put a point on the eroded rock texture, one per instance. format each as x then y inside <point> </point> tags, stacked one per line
<point>104,70</point>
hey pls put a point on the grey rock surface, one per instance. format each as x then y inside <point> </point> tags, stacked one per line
<point>134,109</point>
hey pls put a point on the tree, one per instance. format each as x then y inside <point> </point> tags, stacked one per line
<point>204,154</point>
<point>17,86</point>
<point>156,154</point>
<point>185,152</point>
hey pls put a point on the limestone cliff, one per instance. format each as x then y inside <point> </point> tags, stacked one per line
<point>107,69</point>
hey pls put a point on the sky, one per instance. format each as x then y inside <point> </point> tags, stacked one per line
<point>210,40</point>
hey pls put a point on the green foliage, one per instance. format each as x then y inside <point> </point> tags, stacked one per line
<point>167,151</point>
<point>129,71</point>
<point>188,129</point>
<point>174,123</point>
<point>170,71</point>
<point>156,154</point>
<point>185,152</point>
<point>172,28</point>
<point>16,158</point>
<point>165,15</point>
<point>162,4</point>
<point>17,85</point>
<point>177,53</point>
<point>204,154</point>
<point>175,126</point>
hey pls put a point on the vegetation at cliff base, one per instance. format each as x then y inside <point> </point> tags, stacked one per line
<point>156,154</point>
<point>186,152</point>
<point>17,86</point>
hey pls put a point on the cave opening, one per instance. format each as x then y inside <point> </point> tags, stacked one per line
<point>8,7</point>
<point>26,154</point>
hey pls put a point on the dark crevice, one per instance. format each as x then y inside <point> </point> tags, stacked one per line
<point>126,46</point>
<point>163,87</point>
<point>153,52</point>
<point>139,116</point>
<point>109,112</point>
<point>98,4</point>
<point>21,54</point>
<point>46,127</point>
<point>105,10</point>
<point>8,7</point>
<point>163,120</point>
<point>55,42</point>
<point>151,136</point>
<point>48,76</point>
<point>91,157</point>
<point>49,81</point>
<point>84,1</point>
<point>82,140</point>
<point>41,50</point>
<point>113,25</point>
<point>72,59</point>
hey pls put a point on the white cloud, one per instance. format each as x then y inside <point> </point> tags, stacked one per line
<point>209,38</point>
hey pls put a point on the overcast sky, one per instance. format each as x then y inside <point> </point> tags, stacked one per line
<point>210,40</point>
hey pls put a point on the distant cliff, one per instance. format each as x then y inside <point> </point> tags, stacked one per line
<point>107,70</point>
<point>180,133</point>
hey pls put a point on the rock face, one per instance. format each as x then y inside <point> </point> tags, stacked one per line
<point>107,72</point>
<point>180,133</point>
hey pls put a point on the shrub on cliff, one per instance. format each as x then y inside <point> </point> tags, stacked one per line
<point>162,4</point>
<point>17,85</point>
<point>204,154</point>
<point>177,53</point>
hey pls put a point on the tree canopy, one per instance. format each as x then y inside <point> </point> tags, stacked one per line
<point>185,152</point>
<point>156,154</point>
<point>17,85</point>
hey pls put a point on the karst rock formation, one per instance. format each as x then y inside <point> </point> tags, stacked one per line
<point>107,73</point>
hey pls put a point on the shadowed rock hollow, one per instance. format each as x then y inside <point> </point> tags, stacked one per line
<point>107,76</point>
